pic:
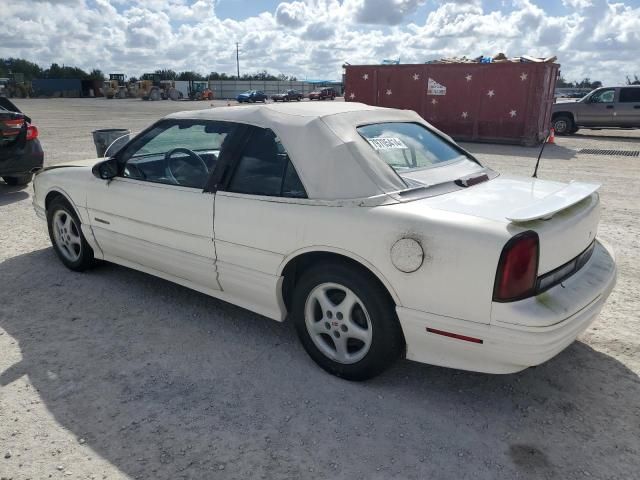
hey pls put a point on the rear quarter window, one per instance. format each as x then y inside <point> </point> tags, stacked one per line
<point>630,95</point>
<point>409,146</point>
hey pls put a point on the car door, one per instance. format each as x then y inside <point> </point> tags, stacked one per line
<point>628,107</point>
<point>598,109</point>
<point>154,215</point>
<point>260,205</point>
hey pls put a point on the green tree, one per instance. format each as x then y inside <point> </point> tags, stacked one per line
<point>96,74</point>
<point>166,74</point>
<point>57,71</point>
<point>219,76</point>
<point>562,83</point>
<point>189,75</point>
<point>28,69</point>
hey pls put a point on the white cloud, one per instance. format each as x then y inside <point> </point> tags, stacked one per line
<point>292,14</point>
<point>384,12</point>
<point>315,37</point>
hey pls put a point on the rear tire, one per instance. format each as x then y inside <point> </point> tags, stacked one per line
<point>66,236</point>
<point>562,125</point>
<point>346,321</point>
<point>15,180</point>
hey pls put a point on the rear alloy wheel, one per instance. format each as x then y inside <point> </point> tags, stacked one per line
<point>562,125</point>
<point>18,179</point>
<point>338,323</point>
<point>66,236</point>
<point>346,322</point>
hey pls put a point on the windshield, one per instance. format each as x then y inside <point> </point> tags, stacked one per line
<point>409,146</point>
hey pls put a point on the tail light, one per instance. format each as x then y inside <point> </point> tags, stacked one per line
<point>32,132</point>
<point>518,268</point>
<point>11,128</point>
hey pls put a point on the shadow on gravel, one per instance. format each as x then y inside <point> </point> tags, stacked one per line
<point>604,138</point>
<point>9,195</point>
<point>166,383</point>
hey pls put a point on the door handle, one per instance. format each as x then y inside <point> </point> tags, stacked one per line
<point>636,106</point>
<point>609,106</point>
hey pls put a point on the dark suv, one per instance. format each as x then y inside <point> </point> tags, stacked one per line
<point>607,107</point>
<point>20,151</point>
<point>323,93</point>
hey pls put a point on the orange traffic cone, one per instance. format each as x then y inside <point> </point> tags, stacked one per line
<point>552,136</point>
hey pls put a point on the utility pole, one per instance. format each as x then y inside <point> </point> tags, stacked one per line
<point>238,59</point>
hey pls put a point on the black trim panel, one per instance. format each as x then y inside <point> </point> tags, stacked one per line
<point>579,262</point>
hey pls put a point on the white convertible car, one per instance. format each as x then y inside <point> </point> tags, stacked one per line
<point>375,233</point>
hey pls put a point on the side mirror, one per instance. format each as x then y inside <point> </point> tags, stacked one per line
<point>106,170</point>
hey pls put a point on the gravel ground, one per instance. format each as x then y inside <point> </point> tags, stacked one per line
<point>116,374</point>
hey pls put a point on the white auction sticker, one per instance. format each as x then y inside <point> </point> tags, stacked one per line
<point>434,88</point>
<point>386,143</point>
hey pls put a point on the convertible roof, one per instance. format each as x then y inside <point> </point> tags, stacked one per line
<point>331,158</point>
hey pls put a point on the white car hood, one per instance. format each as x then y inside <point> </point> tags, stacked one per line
<point>514,199</point>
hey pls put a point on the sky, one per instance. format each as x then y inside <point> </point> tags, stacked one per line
<point>312,39</point>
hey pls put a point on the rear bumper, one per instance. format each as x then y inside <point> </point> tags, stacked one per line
<point>20,161</point>
<point>566,310</point>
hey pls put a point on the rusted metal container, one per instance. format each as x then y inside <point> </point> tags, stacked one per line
<point>506,102</point>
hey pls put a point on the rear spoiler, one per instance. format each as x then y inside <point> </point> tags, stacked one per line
<point>548,206</point>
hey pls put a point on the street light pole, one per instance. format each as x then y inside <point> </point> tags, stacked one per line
<point>238,60</point>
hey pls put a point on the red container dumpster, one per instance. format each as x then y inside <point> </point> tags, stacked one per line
<point>506,102</point>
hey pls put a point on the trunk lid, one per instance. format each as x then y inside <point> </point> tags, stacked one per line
<point>565,216</point>
<point>13,132</point>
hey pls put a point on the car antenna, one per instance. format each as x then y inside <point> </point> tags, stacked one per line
<point>535,171</point>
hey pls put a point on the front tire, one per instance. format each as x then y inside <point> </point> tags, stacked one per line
<point>20,180</point>
<point>66,236</point>
<point>346,321</point>
<point>562,125</point>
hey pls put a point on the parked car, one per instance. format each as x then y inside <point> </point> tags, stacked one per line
<point>287,96</point>
<point>375,233</point>
<point>607,107</point>
<point>323,94</point>
<point>20,150</point>
<point>252,96</point>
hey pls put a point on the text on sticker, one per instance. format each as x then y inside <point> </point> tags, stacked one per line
<point>386,143</point>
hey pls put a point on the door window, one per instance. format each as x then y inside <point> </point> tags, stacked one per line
<point>603,96</point>
<point>630,95</point>
<point>264,168</point>
<point>176,152</point>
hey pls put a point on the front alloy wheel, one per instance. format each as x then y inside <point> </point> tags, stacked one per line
<point>66,236</point>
